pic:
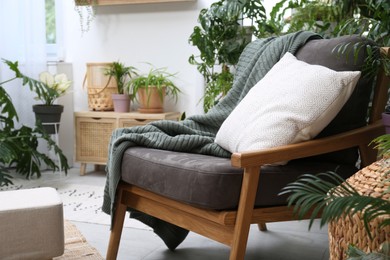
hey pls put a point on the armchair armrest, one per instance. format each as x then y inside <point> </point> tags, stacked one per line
<point>353,138</point>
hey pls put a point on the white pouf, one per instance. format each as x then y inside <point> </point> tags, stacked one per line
<point>31,224</point>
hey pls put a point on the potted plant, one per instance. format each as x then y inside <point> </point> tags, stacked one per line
<point>220,26</point>
<point>51,88</point>
<point>122,75</point>
<point>221,38</point>
<point>150,90</point>
<point>19,145</point>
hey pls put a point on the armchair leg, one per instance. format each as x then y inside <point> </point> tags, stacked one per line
<point>262,226</point>
<point>244,214</point>
<point>116,231</point>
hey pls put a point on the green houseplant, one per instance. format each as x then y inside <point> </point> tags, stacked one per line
<point>220,43</point>
<point>122,75</point>
<point>331,18</point>
<point>18,146</point>
<point>150,90</point>
<point>221,38</point>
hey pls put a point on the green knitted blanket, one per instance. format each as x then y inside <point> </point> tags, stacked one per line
<point>197,133</point>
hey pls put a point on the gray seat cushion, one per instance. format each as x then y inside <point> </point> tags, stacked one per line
<point>211,182</point>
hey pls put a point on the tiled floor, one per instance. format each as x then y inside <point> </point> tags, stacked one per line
<point>285,240</point>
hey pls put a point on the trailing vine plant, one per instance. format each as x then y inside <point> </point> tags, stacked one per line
<point>86,9</point>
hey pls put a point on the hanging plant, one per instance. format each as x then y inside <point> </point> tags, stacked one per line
<point>86,9</point>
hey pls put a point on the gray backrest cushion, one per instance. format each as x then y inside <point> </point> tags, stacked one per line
<point>354,112</point>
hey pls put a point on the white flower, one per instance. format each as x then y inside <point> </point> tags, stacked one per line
<point>46,78</point>
<point>62,82</point>
<point>56,86</point>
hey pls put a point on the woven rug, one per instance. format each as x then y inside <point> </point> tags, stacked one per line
<point>76,246</point>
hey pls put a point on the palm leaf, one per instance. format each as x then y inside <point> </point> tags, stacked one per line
<point>329,194</point>
<point>382,144</point>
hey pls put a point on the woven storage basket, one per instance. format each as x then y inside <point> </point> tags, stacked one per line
<point>350,230</point>
<point>100,87</point>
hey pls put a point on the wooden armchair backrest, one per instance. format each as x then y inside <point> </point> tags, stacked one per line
<point>381,91</point>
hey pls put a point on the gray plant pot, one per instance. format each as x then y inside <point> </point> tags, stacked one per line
<point>386,121</point>
<point>121,102</point>
<point>49,116</point>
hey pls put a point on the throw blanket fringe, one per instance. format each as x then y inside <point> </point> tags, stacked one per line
<point>197,133</point>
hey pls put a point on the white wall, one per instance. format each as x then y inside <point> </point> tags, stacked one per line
<point>133,34</point>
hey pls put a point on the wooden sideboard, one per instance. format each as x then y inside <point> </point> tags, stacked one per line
<point>94,129</point>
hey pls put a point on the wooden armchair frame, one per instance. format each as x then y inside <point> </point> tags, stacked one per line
<point>232,227</point>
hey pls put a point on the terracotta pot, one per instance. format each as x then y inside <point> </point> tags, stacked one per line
<point>49,116</point>
<point>386,121</point>
<point>121,102</point>
<point>150,101</point>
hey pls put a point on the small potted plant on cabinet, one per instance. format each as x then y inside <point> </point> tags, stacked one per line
<point>150,90</point>
<point>122,75</point>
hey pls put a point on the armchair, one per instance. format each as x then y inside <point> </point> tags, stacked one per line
<point>220,197</point>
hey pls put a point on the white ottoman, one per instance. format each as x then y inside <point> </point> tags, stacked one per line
<point>31,224</point>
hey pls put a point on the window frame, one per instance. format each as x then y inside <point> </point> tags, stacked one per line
<point>54,51</point>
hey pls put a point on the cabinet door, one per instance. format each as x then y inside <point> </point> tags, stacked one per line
<point>92,139</point>
<point>133,122</point>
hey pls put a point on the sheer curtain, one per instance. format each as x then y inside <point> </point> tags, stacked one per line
<point>23,39</point>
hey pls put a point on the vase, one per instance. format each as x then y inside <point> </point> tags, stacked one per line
<point>151,100</point>
<point>121,102</point>
<point>386,121</point>
<point>49,116</point>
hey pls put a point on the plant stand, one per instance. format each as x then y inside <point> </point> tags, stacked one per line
<point>350,230</point>
<point>56,127</point>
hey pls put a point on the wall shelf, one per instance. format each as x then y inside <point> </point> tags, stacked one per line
<point>123,2</point>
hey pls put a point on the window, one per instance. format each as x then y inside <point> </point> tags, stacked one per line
<point>50,21</point>
<point>53,30</point>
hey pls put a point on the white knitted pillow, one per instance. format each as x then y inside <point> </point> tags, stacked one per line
<point>292,103</point>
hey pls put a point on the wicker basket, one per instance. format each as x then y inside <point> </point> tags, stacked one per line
<point>100,87</point>
<point>350,230</point>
